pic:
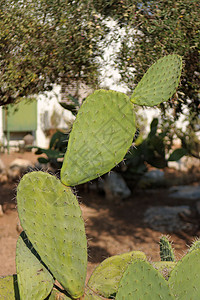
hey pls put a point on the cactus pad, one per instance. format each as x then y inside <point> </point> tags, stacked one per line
<point>35,281</point>
<point>160,81</point>
<point>91,295</point>
<point>164,267</point>
<point>195,245</point>
<point>101,135</point>
<point>185,278</point>
<point>142,281</point>
<point>51,217</point>
<point>166,250</point>
<point>106,277</point>
<point>56,295</point>
<point>9,288</point>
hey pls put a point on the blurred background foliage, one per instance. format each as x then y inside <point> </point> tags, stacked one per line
<point>43,42</point>
<point>46,42</point>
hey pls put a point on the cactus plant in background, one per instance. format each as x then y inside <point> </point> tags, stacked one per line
<point>50,215</point>
<point>166,250</point>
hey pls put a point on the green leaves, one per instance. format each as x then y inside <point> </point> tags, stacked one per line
<point>161,28</point>
<point>177,154</point>
<point>45,47</point>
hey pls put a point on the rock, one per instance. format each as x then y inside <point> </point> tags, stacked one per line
<point>115,186</point>
<point>168,219</point>
<point>177,165</point>
<point>153,178</point>
<point>19,167</point>
<point>185,192</point>
<point>21,163</point>
<point>3,173</point>
<point>3,177</point>
<point>184,164</point>
<point>28,140</point>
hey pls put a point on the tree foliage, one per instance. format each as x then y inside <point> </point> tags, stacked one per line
<point>43,42</point>
<point>161,28</point>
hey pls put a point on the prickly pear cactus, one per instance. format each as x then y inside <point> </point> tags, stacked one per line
<point>9,288</point>
<point>195,245</point>
<point>185,277</point>
<point>106,277</point>
<point>91,295</point>
<point>101,135</point>
<point>164,267</point>
<point>160,82</point>
<point>51,217</point>
<point>166,250</point>
<point>142,281</point>
<point>34,280</point>
<point>56,295</point>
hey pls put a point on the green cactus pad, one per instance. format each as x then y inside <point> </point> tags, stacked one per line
<point>166,250</point>
<point>91,295</point>
<point>164,267</point>
<point>160,81</point>
<point>9,288</point>
<point>35,281</point>
<point>142,281</point>
<point>101,135</point>
<point>57,295</point>
<point>51,217</point>
<point>106,277</point>
<point>195,245</point>
<point>184,280</point>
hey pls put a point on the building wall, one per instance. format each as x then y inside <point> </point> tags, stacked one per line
<point>50,115</point>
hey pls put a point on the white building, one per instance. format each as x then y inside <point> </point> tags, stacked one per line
<point>49,116</point>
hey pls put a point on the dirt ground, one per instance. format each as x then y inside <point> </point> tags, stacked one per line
<point>112,227</point>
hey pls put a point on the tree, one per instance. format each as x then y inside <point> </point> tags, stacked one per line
<point>160,28</point>
<point>153,29</point>
<point>45,42</point>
